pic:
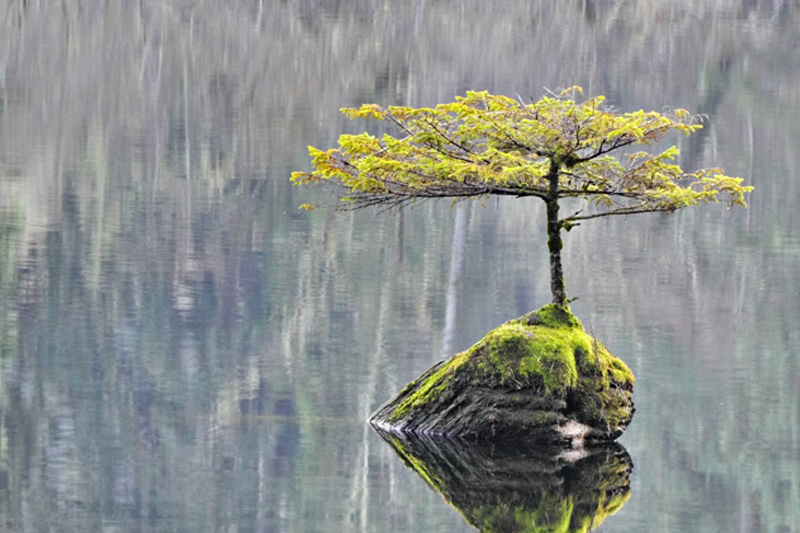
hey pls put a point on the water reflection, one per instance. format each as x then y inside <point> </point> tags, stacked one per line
<point>509,488</point>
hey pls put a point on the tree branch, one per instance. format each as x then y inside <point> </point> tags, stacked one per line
<point>623,211</point>
<point>602,151</point>
<point>572,193</point>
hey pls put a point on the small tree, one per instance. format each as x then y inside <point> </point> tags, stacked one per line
<point>482,144</point>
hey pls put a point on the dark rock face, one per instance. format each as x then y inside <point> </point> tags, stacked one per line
<point>507,487</point>
<point>538,378</point>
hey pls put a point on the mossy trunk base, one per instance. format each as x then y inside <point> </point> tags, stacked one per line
<point>538,378</point>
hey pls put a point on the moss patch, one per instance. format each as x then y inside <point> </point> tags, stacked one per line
<point>515,354</point>
<point>429,386</point>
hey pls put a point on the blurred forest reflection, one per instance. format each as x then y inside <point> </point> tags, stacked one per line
<point>181,349</point>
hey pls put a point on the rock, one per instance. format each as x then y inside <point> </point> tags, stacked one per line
<point>507,487</point>
<point>537,378</point>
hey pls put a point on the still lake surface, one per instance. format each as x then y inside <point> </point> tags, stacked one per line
<point>181,349</point>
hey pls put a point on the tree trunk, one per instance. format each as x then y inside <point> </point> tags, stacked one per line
<point>554,243</point>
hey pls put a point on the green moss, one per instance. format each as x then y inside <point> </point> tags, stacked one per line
<point>428,388</point>
<point>619,370</point>
<point>546,349</point>
<point>515,353</point>
<point>554,316</point>
<point>549,343</point>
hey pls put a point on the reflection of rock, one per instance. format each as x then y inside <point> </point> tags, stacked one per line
<point>537,378</point>
<point>500,488</point>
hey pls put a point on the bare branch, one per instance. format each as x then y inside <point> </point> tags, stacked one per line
<point>569,193</point>
<point>621,211</point>
<point>449,139</point>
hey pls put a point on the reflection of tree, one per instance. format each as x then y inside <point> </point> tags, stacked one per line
<point>506,488</point>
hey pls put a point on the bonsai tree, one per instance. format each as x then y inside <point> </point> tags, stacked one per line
<point>557,147</point>
<point>539,377</point>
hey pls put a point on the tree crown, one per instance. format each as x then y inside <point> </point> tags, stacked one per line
<point>482,144</point>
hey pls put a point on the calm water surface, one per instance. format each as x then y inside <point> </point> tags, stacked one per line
<point>181,349</point>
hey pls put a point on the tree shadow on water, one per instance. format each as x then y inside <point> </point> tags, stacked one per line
<point>510,488</point>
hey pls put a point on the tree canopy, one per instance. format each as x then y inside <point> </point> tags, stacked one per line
<point>556,147</point>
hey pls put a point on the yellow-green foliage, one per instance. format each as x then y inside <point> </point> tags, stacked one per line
<point>483,144</point>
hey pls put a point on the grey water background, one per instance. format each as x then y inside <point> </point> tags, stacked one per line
<point>181,349</point>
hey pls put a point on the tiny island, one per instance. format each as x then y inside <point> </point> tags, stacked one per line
<point>540,377</point>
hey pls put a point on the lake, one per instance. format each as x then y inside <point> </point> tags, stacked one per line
<point>182,349</point>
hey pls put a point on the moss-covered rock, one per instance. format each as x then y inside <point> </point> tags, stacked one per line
<point>539,377</point>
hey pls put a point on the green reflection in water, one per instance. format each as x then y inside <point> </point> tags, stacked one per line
<point>512,488</point>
